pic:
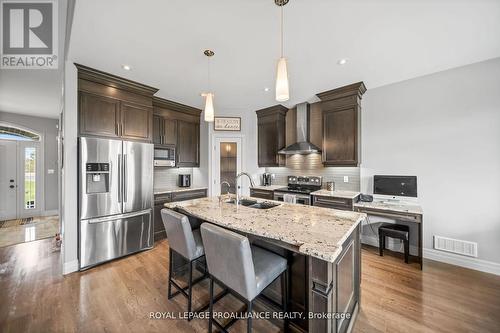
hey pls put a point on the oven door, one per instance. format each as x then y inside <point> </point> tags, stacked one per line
<point>302,199</point>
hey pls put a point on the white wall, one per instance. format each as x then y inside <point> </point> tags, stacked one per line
<point>69,172</point>
<point>249,149</point>
<point>445,129</point>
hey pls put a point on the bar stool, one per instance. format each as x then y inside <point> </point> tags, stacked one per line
<point>186,243</point>
<point>245,270</point>
<point>397,231</point>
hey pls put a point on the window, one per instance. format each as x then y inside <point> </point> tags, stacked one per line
<point>30,177</point>
<point>13,133</point>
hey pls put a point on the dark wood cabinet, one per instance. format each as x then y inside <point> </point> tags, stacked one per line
<point>99,115</point>
<point>262,194</point>
<point>179,125</point>
<point>164,131</point>
<point>136,121</point>
<point>341,125</point>
<point>271,128</point>
<point>333,202</point>
<point>111,106</point>
<point>161,199</point>
<point>188,144</point>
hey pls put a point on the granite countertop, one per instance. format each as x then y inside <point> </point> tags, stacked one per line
<point>337,194</point>
<point>268,188</point>
<point>176,189</point>
<point>391,207</point>
<point>315,231</point>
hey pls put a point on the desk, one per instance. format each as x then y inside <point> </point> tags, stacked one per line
<point>398,212</point>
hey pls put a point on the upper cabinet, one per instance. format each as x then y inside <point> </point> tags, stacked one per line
<point>114,107</point>
<point>341,109</point>
<point>271,129</point>
<point>179,125</point>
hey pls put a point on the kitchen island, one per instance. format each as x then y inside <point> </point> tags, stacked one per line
<point>323,251</point>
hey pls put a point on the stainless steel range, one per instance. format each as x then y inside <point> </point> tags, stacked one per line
<point>299,189</point>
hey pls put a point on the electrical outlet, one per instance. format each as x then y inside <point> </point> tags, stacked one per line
<point>346,179</point>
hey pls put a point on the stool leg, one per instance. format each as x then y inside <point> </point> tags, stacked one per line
<point>169,273</point>
<point>381,243</point>
<point>211,306</point>
<point>407,249</point>
<point>190,289</point>
<point>249,320</point>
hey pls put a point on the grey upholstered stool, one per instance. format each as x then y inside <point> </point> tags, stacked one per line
<point>245,270</point>
<point>186,243</point>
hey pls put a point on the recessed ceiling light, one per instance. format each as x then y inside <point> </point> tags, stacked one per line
<point>266,89</point>
<point>126,67</point>
<point>342,61</point>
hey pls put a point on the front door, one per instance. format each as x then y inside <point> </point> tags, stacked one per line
<point>8,180</point>
<point>29,176</point>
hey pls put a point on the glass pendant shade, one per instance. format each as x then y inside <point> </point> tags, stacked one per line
<point>282,86</point>
<point>209,107</point>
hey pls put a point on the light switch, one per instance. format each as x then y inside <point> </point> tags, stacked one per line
<point>346,179</point>
<point>50,171</point>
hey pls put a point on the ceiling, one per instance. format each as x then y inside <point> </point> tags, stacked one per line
<point>385,41</point>
<point>35,92</point>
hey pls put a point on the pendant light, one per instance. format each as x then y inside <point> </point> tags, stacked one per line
<point>282,84</point>
<point>209,96</point>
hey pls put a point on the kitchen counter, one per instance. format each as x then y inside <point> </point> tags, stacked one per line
<point>267,188</point>
<point>337,194</point>
<point>322,247</point>
<point>314,231</point>
<point>177,189</point>
<point>391,207</point>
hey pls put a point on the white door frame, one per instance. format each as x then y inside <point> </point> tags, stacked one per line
<point>214,157</point>
<point>9,196</point>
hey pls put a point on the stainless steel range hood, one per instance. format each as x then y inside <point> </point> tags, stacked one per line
<point>302,146</point>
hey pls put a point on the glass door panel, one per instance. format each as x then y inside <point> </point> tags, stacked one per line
<point>228,166</point>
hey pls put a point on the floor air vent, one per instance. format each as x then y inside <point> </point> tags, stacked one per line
<point>455,246</point>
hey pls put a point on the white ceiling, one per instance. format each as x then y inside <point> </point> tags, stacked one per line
<point>35,92</point>
<point>386,41</point>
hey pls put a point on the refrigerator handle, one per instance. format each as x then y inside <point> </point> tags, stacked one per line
<point>125,177</point>
<point>119,178</point>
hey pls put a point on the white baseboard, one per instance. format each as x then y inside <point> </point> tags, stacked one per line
<point>50,212</point>
<point>70,267</point>
<point>463,261</point>
<point>446,257</point>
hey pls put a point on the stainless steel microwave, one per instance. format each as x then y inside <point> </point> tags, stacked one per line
<point>164,156</point>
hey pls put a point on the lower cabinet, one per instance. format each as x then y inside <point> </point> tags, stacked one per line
<point>333,202</point>
<point>262,194</point>
<point>162,199</point>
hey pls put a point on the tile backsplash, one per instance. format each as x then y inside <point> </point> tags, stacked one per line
<point>310,165</point>
<point>165,178</point>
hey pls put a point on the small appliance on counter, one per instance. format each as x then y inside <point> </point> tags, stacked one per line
<point>184,180</point>
<point>267,179</point>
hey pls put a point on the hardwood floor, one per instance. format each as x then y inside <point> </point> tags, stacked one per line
<point>119,296</point>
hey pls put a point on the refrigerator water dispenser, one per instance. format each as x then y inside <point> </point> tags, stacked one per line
<point>97,177</point>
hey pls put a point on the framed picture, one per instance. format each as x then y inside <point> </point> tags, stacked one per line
<point>232,124</point>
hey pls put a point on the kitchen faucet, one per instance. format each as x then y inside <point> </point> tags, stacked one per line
<point>239,187</point>
<point>228,186</point>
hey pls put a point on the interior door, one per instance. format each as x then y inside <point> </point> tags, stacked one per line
<point>8,177</point>
<point>137,176</point>
<point>30,177</point>
<point>227,164</point>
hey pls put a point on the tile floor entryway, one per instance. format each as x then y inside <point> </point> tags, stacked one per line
<point>27,230</point>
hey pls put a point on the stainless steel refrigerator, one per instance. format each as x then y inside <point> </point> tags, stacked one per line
<point>115,199</point>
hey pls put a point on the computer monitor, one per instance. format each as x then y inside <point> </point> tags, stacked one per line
<point>399,186</point>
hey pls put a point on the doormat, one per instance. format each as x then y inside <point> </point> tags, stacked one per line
<point>16,222</point>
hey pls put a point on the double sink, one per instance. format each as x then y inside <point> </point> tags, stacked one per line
<point>254,203</point>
